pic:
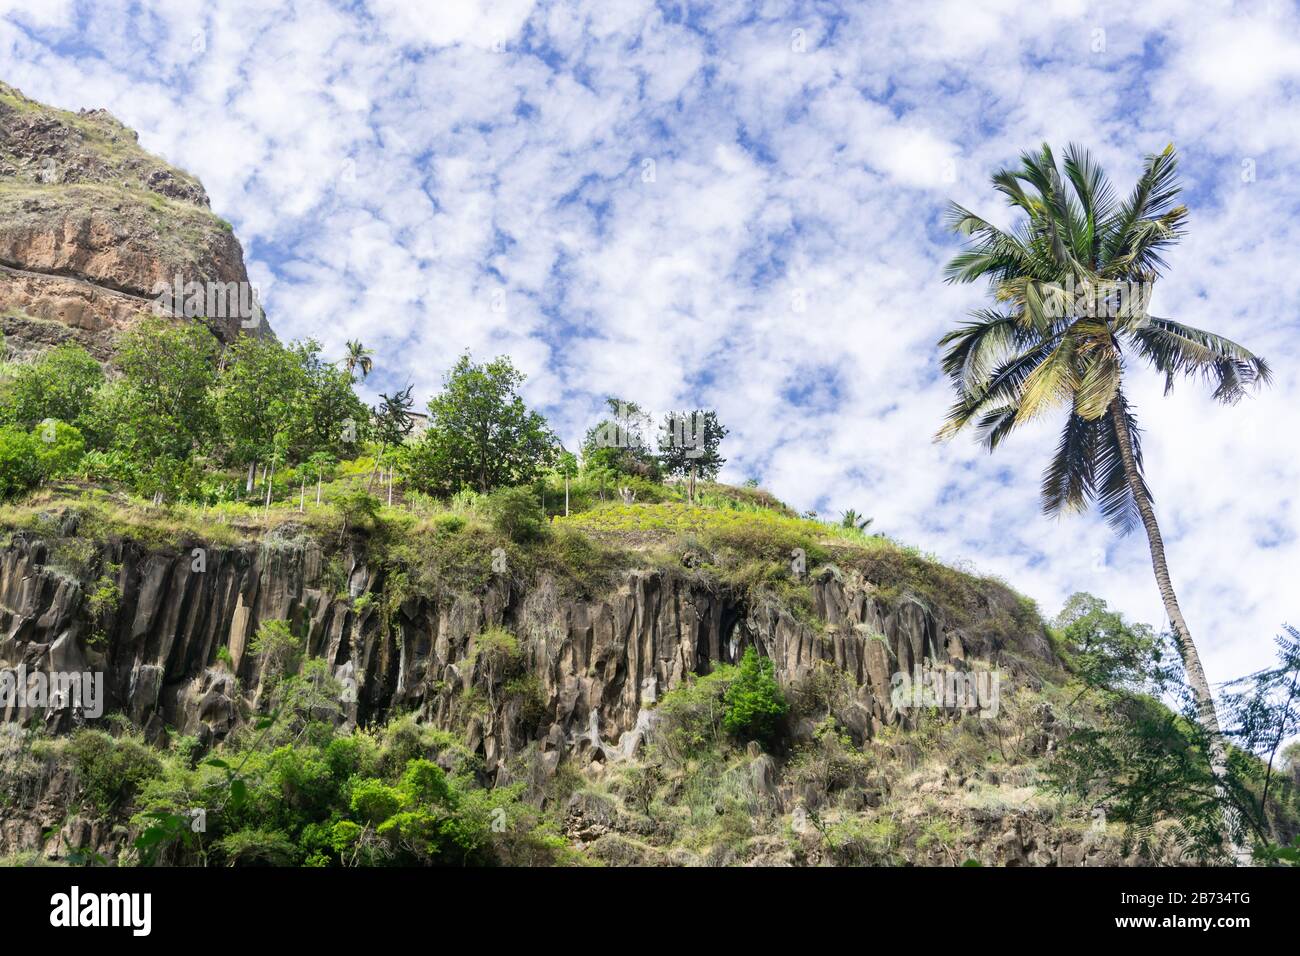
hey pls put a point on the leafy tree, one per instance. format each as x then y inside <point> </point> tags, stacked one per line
<point>1073,280</point>
<point>754,702</point>
<point>1264,712</point>
<point>618,445</point>
<point>357,507</point>
<point>480,434</point>
<point>59,447</point>
<point>1147,762</point>
<point>393,422</point>
<point>320,466</point>
<point>163,406</point>
<point>260,396</point>
<point>278,647</point>
<point>1108,651</point>
<point>20,465</point>
<point>335,420</point>
<point>60,384</point>
<point>688,446</point>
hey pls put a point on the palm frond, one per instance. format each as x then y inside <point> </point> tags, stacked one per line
<point>1052,382</point>
<point>1068,479</point>
<point>1102,369</point>
<point>1181,350</point>
<point>1095,196</point>
<point>1152,198</point>
<point>1003,387</point>
<point>976,347</point>
<point>1087,467</point>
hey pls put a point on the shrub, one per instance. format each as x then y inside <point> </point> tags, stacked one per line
<point>515,513</point>
<point>374,801</point>
<point>257,848</point>
<point>690,716</point>
<point>59,447</point>
<point>278,648</point>
<point>20,464</point>
<point>755,704</point>
<point>110,770</point>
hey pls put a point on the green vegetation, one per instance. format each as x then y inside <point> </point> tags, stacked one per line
<point>1149,763</point>
<point>754,702</point>
<point>480,435</point>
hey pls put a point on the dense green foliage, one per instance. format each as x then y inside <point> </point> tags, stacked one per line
<point>481,434</point>
<point>754,702</point>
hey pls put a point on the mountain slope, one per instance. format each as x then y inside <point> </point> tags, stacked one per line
<point>91,225</point>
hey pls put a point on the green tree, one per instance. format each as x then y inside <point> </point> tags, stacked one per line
<point>59,447</point>
<point>754,702</point>
<point>261,394</point>
<point>480,434</point>
<point>688,446</point>
<point>618,445</point>
<point>20,465</point>
<point>393,422</point>
<point>334,419</point>
<point>1148,763</point>
<point>1073,281</point>
<point>162,412</point>
<point>320,466</point>
<point>61,384</point>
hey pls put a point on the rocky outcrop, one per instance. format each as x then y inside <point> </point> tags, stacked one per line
<point>91,224</point>
<point>175,646</point>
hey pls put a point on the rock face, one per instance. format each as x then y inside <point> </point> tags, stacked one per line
<point>598,663</point>
<point>91,224</point>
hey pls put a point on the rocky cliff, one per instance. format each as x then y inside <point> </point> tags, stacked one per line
<point>90,224</point>
<point>600,662</point>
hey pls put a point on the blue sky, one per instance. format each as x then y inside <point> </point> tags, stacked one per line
<point>738,205</point>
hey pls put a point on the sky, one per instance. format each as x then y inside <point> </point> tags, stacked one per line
<point>740,206</point>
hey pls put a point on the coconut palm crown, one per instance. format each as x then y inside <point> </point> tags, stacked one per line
<point>1072,281</point>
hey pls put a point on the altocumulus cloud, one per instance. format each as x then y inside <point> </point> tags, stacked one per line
<point>738,205</point>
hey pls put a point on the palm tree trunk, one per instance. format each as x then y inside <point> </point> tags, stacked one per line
<point>1200,687</point>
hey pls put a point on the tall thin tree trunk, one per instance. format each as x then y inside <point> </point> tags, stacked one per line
<point>375,470</point>
<point>318,481</point>
<point>302,494</point>
<point>566,496</point>
<point>1196,679</point>
<point>248,488</point>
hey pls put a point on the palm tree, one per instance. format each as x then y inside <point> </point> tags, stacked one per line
<point>358,357</point>
<point>1072,281</point>
<point>851,519</point>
